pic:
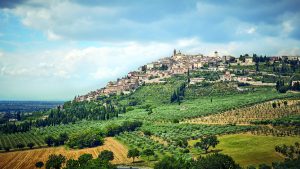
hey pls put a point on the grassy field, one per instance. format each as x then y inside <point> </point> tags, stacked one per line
<point>247,149</point>
<point>27,159</point>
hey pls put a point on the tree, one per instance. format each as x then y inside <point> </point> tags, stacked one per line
<point>72,164</point>
<point>97,163</point>
<point>30,145</point>
<point>175,121</point>
<point>173,163</point>
<point>55,161</point>
<point>7,148</point>
<point>39,164</point>
<point>133,153</point>
<point>20,145</point>
<point>264,166</point>
<point>148,152</point>
<point>49,140</point>
<point>251,167</point>
<point>207,142</point>
<point>84,158</point>
<point>63,137</point>
<point>106,155</point>
<point>257,67</point>
<point>216,161</point>
<point>173,97</point>
<point>147,132</point>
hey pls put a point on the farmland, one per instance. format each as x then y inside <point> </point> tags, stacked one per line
<point>175,136</point>
<point>249,149</point>
<point>264,111</point>
<point>37,135</point>
<point>208,105</point>
<point>164,113</point>
<point>27,159</point>
<point>169,128</point>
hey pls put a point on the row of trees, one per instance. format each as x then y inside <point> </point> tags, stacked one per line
<point>13,127</point>
<point>92,138</point>
<point>293,121</point>
<point>83,162</point>
<point>69,113</point>
<point>214,161</point>
<point>135,153</point>
<point>60,140</point>
<point>80,110</point>
<point>87,139</point>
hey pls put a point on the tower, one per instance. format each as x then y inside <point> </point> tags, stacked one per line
<point>216,54</point>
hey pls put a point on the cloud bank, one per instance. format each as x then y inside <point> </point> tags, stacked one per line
<point>58,49</point>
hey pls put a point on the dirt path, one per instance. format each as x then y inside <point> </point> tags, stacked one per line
<point>27,159</point>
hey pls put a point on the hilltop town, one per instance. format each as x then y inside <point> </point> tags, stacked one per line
<point>180,63</point>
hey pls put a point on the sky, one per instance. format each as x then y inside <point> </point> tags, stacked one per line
<point>57,49</point>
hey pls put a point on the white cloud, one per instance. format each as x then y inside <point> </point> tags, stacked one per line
<point>58,19</point>
<point>287,27</point>
<point>78,70</point>
<point>251,30</point>
<point>116,59</point>
<point>52,36</point>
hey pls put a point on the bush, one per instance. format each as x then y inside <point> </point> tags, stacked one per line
<point>7,148</point>
<point>283,89</point>
<point>84,158</point>
<point>113,129</point>
<point>147,132</point>
<point>30,145</point>
<point>217,161</point>
<point>175,121</point>
<point>55,161</point>
<point>20,145</point>
<point>172,163</point>
<point>264,166</point>
<point>72,164</point>
<point>241,84</point>
<point>106,155</point>
<point>39,164</point>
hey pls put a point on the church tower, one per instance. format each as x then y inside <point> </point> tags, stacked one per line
<point>216,54</point>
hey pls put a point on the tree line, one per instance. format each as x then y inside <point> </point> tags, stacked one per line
<point>92,138</point>
<point>83,162</point>
<point>70,112</point>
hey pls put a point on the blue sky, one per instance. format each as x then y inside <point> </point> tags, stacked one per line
<point>54,50</point>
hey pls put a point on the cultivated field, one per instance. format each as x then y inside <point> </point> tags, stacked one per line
<point>263,111</point>
<point>28,158</point>
<point>207,105</point>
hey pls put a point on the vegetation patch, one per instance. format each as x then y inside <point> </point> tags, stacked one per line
<point>247,149</point>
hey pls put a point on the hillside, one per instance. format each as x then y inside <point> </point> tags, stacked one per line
<point>167,117</point>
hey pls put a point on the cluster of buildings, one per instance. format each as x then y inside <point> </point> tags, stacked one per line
<point>157,71</point>
<point>154,72</point>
